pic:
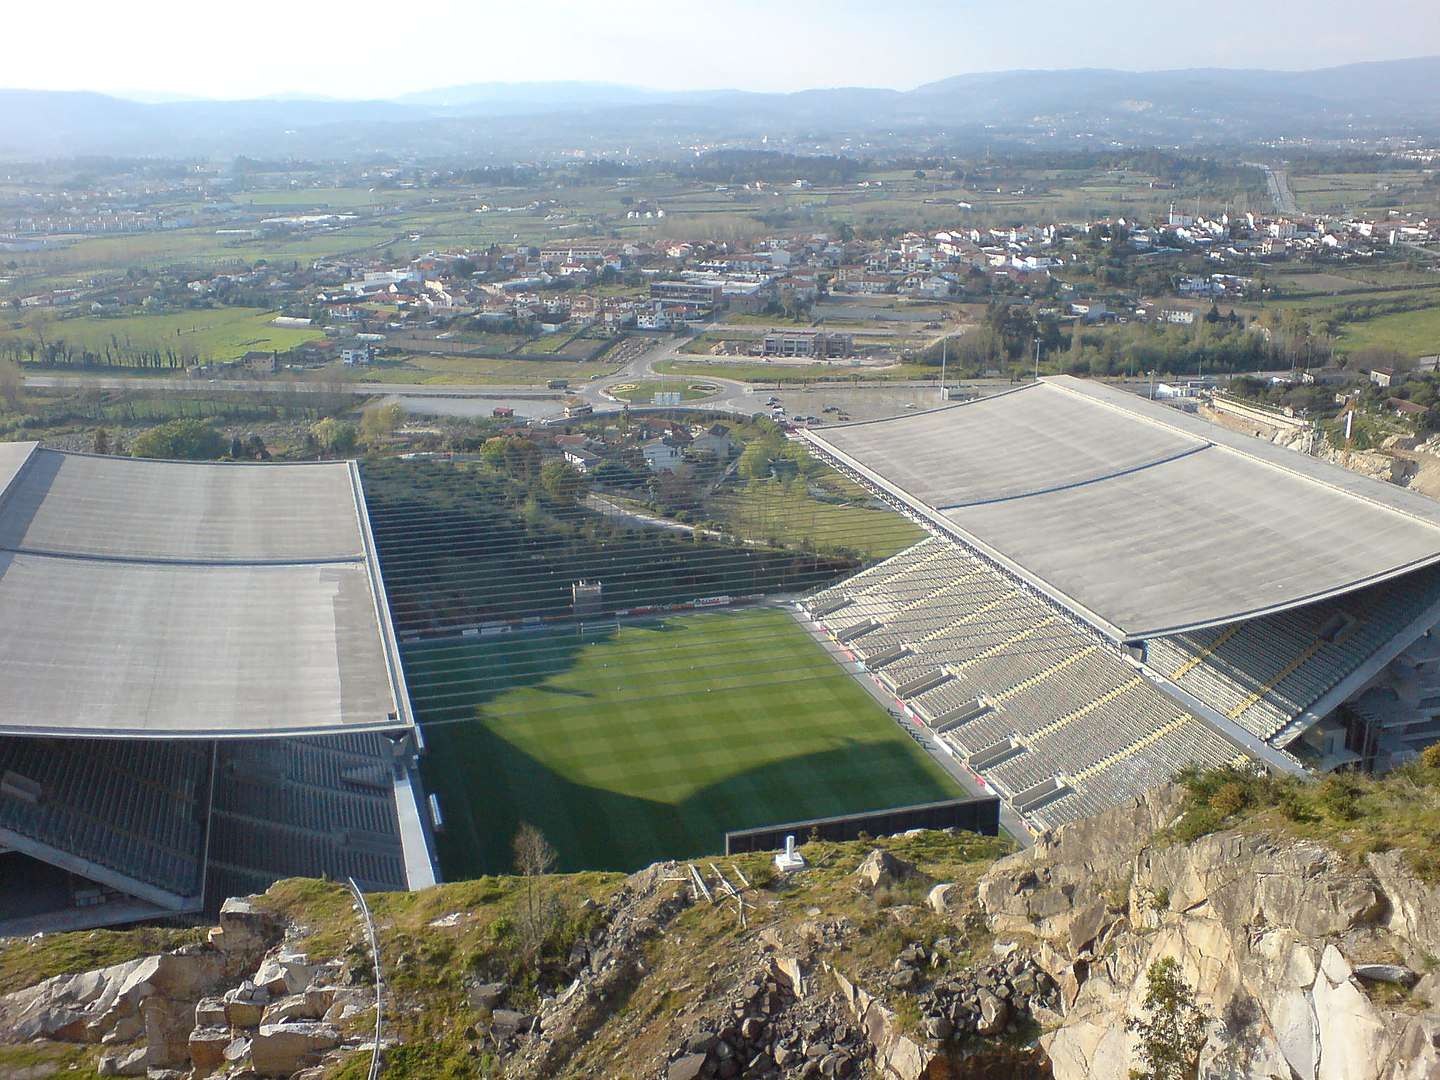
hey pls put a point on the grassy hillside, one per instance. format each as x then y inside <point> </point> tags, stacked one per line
<point>1352,813</point>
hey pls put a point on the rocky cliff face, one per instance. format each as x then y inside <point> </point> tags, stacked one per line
<point>919,957</point>
<point>240,1002</point>
<point>1309,967</point>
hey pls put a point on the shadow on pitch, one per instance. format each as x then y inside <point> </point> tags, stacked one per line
<point>488,786</point>
<point>450,679</point>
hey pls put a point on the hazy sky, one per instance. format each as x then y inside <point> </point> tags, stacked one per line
<point>377,48</point>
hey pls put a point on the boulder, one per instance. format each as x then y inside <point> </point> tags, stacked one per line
<point>122,1063</point>
<point>245,1005</point>
<point>486,995</point>
<point>880,869</point>
<point>347,1003</point>
<point>281,1049</point>
<point>207,1048</point>
<point>311,1005</point>
<point>897,1056</point>
<point>510,1022</point>
<point>287,973</point>
<point>245,928</point>
<point>686,1068</point>
<point>1398,974</point>
<point>905,978</point>
<point>168,1024</point>
<point>994,1013</point>
<point>89,1006</point>
<point>1353,1036</point>
<point>945,898</point>
<point>238,1050</point>
<point>701,1043</point>
<point>210,1012</point>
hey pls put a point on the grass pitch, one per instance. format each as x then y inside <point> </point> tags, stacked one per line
<point>652,740</point>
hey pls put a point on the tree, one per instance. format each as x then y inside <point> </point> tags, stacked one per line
<point>1172,1029</point>
<point>511,454</point>
<point>617,474</point>
<point>562,482</point>
<point>336,438</point>
<point>12,386</point>
<point>755,461</point>
<point>181,440</point>
<point>539,912</point>
<point>379,421</point>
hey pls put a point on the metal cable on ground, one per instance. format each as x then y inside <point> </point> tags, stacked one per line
<point>364,909</point>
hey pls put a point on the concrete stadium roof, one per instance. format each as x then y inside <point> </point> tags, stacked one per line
<point>1141,519</point>
<point>171,599</point>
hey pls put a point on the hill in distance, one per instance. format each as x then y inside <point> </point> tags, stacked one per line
<point>1194,106</point>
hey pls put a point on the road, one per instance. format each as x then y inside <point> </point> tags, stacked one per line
<point>828,401</point>
<point>1278,182</point>
<point>529,400</point>
<point>533,400</point>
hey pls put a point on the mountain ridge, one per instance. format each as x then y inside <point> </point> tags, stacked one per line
<point>1169,107</point>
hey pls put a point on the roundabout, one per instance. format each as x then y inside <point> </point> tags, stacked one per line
<point>658,391</point>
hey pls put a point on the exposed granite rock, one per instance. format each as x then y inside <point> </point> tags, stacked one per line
<point>1263,927</point>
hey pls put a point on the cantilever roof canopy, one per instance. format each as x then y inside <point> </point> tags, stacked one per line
<point>162,598</point>
<point>1141,519</point>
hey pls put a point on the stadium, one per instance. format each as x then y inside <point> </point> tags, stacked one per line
<point>1114,589</point>
<point>216,675</point>
<point>200,690</point>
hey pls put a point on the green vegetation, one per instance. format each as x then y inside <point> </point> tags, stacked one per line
<point>335,438</point>
<point>1171,1029</point>
<point>431,965</point>
<point>420,369</point>
<point>650,740</point>
<point>1410,333</point>
<point>1352,813</point>
<point>790,512</point>
<point>643,393</point>
<point>535,544</point>
<point>49,1059</point>
<point>26,961</point>
<point>181,440</point>
<point>56,413</point>
<point>201,335</point>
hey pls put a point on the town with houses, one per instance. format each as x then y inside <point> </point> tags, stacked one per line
<point>615,288</point>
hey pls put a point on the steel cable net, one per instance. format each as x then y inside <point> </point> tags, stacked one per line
<point>690,648</point>
<point>615,634</point>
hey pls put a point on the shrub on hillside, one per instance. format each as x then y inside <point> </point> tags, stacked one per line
<point>179,440</point>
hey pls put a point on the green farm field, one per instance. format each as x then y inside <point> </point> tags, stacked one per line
<point>1413,333</point>
<point>224,333</point>
<point>651,740</point>
<point>471,371</point>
